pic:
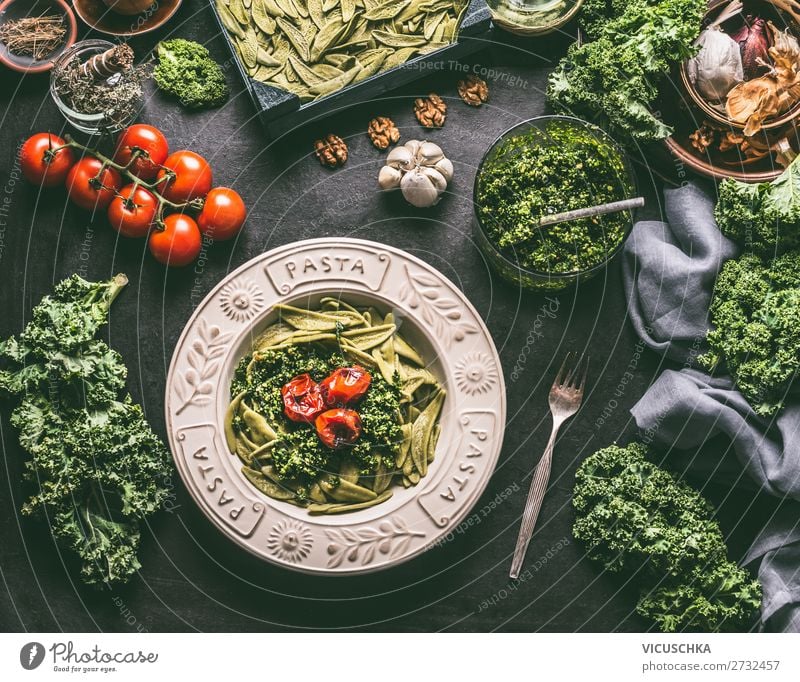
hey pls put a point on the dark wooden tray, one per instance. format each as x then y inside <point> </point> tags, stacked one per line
<point>281,111</point>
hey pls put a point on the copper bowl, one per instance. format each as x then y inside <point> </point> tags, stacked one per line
<point>96,14</point>
<point>710,170</point>
<point>714,8</point>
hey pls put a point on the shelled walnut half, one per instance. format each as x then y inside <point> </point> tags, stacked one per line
<point>473,90</point>
<point>331,151</point>
<point>431,111</point>
<point>702,138</point>
<point>383,132</point>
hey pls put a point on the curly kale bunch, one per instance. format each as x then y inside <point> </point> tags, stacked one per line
<point>595,14</point>
<point>613,80</point>
<point>756,317</point>
<point>763,217</point>
<point>636,518</point>
<point>186,70</point>
<point>97,466</point>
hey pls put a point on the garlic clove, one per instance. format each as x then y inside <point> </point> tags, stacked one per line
<point>389,177</point>
<point>400,157</point>
<point>445,167</point>
<point>430,153</point>
<point>438,180</point>
<point>418,189</point>
<point>413,146</point>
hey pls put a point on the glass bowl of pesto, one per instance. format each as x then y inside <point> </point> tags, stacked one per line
<point>544,166</point>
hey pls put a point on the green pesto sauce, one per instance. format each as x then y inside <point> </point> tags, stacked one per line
<point>545,171</point>
<point>300,455</point>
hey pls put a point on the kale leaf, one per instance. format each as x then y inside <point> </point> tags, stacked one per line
<point>186,70</point>
<point>637,518</point>
<point>613,79</point>
<point>763,217</point>
<point>756,337</point>
<point>97,466</point>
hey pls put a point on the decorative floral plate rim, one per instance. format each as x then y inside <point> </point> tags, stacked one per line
<point>454,340</point>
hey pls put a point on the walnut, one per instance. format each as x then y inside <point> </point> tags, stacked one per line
<point>430,111</point>
<point>730,140</point>
<point>702,138</point>
<point>383,132</point>
<point>473,90</point>
<point>331,151</point>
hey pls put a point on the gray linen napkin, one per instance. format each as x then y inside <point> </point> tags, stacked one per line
<point>669,271</point>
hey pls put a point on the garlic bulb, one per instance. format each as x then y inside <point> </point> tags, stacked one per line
<point>717,67</point>
<point>784,44</point>
<point>421,171</point>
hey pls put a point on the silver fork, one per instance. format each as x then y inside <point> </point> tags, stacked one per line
<point>565,398</point>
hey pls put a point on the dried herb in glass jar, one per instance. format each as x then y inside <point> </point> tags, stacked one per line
<point>108,83</point>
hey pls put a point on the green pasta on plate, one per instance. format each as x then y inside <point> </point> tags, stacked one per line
<point>332,408</point>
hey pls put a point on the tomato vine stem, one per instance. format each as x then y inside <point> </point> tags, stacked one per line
<point>125,171</point>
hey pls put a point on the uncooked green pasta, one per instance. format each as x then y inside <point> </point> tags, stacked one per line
<point>332,407</point>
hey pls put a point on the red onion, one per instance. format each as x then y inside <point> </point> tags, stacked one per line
<point>754,44</point>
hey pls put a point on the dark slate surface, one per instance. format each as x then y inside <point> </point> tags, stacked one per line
<point>194,578</point>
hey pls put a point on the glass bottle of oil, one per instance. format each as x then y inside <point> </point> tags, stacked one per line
<point>532,17</point>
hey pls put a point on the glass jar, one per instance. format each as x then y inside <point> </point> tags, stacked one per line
<point>506,261</point>
<point>532,17</point>
<point>93,123</point>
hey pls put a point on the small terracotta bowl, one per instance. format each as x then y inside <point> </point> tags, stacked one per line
<point>11,10</point>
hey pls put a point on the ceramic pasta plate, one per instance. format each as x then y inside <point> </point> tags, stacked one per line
<point>433,315</point>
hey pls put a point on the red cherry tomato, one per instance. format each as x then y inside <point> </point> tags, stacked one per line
<point>40,164</point>
<point>91,186</point>
<point>150,142</point>
<point>223,214</point>
<point>178,243</point>
<point>338,427</point>
<point>345,385</point>
<point>302,401</point>
<point>192,177</point>
<point>133,211</point>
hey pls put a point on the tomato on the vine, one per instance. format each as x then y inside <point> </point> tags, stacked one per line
<point>302,401</point>
<point>132,212</point>
<point>90,185</point>
<point>179,243</point>
<point>338,427</point>
<point>223,214</point>
<point>43,163</point>
<point>191,177</point>
<point>345,385</point>
<point>146,139</point>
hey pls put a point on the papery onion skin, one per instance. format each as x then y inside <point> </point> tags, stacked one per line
<point>754,43</point>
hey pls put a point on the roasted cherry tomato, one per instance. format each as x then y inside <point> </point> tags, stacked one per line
<point>43,166</point>
<point>151,144</point>
<point>338,427</point>
<point>223,214</point>
<point>179,243</point>
<point>345,385</point>
<point>91,186</point>
<point>302,401</point>
<point>133,211</point>
<point>192,177</point>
